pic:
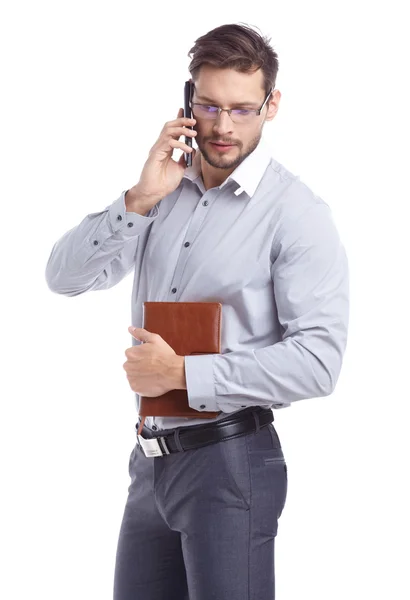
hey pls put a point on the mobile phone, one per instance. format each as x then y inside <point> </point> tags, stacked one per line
<point>188,114</point>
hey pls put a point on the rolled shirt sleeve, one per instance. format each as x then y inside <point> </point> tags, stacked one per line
<point>310,278</point>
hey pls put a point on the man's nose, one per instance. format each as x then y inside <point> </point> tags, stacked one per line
<point>223,124</point>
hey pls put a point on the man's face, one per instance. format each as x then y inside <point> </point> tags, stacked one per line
<point>228,88</point>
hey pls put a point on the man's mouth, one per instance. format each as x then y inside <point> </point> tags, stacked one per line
<point>222,147</point>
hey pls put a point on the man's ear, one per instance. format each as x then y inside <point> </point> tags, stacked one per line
<point>273,105</point>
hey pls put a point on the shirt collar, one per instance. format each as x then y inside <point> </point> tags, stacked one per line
<point>248,174</point>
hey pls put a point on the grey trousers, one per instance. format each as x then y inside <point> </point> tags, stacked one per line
<point>201,524</point>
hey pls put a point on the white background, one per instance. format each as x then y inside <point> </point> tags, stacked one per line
<point>86,89</point>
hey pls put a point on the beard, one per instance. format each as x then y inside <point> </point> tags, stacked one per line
<point>233,157</point>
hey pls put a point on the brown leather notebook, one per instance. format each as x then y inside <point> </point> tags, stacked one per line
<point>189,328</point>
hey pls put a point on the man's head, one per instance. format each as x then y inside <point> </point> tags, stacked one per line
<point>232,67</point>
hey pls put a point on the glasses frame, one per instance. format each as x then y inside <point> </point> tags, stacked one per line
<point>229,110</point>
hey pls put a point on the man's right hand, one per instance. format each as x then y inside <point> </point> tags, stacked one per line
<point>161,174</point>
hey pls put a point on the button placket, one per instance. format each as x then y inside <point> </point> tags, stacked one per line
<point>186,245</point>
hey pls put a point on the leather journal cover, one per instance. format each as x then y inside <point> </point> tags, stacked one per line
<point>189,328</point>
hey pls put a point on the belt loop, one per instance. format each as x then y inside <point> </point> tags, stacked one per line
<point>177,440</point>
<point>256,417</point>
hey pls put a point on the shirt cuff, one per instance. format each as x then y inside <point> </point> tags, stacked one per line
<point>129,224</point>
<point>199,374</point>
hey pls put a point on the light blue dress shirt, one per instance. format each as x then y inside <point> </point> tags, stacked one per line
<point>263,245</point>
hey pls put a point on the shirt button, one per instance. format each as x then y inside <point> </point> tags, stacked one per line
<point>130,224</point>
<point>186,244</point>
<point>154,427</point>
<point>205,202</point>
<point>119,218</point>
<point>174,290</point>
<point>95,242</point>
<point>202,406</point>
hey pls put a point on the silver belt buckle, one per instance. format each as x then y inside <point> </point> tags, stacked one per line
<point>151,446</point>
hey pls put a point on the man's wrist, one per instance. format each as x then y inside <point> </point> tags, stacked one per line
<point>177,373</point>
<point>136,202</point>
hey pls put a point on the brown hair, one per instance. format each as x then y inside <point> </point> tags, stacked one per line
<point>237,47</point>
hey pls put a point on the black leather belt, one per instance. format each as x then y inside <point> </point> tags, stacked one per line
<point>196,436</point>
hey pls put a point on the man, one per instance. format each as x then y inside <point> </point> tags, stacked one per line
<point>238,228</point>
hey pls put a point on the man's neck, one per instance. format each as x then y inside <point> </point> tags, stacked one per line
<point>213,177</point>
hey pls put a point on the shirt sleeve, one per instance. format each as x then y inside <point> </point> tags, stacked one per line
<point>310,277</point>
<point>99,252</point>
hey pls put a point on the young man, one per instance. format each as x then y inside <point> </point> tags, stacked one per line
<point>238,228</point>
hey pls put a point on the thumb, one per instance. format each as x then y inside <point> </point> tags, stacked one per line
<point>140,334</point>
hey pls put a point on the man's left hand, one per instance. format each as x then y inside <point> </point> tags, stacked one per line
<point>153,368</point>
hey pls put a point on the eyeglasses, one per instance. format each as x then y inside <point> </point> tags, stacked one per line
<point>238,115</point>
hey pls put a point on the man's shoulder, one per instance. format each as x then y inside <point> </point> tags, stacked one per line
<point>295,195</point>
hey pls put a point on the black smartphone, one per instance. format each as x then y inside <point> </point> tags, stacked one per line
<point>188,114</point>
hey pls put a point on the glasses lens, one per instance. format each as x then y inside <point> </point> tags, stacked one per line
<point>242,115</point>
<point>238,115</point>
<point>205,112</point>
